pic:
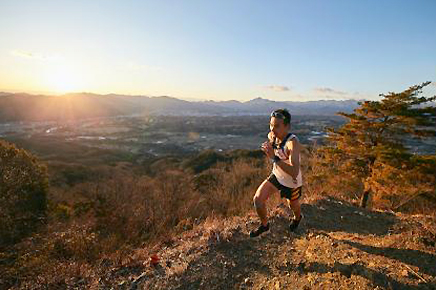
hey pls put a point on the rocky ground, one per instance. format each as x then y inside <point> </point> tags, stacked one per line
<point>338,246</point>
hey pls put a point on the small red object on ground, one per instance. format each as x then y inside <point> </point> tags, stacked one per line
<point>154,260</point>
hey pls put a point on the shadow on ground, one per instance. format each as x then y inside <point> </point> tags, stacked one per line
<point>424,261</point>
<point>378,279</point>
<point>333,215</point>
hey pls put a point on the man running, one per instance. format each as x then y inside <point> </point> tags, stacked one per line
<point>283,149</point>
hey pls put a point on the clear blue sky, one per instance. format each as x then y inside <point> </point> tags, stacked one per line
<point>221,50</point>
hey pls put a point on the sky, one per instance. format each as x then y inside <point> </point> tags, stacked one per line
<point>218,50</point>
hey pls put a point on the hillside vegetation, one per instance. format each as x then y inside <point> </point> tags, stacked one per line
<point>182,222</point>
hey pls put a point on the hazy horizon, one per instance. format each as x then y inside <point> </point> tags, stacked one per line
<point>185,99</point>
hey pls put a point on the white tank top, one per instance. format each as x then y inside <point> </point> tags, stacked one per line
<point>283,177</point>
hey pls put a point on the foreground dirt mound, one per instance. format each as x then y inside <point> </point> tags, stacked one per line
<point>338,246</point>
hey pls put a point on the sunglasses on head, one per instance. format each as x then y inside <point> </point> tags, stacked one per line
<point>278,115</point>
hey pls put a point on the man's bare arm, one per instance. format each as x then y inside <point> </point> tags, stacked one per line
<point>294,159</point>
<point>271,137</point>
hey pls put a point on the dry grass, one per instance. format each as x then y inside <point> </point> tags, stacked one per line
<point>96,221</point>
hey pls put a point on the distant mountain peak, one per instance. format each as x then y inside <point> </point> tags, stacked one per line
<point>167,98</point>
<point>259,100</point>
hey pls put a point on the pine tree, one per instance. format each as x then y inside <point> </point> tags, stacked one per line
<point>377,131</point>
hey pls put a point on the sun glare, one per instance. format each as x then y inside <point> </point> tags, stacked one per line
<point>62,80</point>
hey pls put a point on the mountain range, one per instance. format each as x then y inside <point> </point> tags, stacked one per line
<point>27,107</point>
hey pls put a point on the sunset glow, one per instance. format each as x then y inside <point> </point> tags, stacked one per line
<point>218,50</point>
<point>62,80</point>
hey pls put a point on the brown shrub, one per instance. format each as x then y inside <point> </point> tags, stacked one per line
<point>92,221</point>
<point>23,188</point>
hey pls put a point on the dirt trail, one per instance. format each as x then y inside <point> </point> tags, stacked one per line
<point>338,246</point>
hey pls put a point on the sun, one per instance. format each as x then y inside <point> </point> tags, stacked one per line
<point>62,79</point>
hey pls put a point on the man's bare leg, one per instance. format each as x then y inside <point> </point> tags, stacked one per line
<point>262,213</point>
<point>296,208</point>
<point>260,198</point>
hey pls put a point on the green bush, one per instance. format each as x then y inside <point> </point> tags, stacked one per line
<point>209,158</point>
<point>203,161</point>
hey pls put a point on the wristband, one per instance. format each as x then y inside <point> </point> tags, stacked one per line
<point>275,159</point>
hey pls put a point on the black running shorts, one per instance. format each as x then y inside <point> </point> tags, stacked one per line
<point>287,192</point>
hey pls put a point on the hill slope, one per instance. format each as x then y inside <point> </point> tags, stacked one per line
<point>339,246</point>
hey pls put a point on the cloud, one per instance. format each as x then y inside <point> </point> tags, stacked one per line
<point>24,54</point>
<point>326,90</point>
<point>34,56</point>
<point>327,93</point>
<point>277,88</point>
